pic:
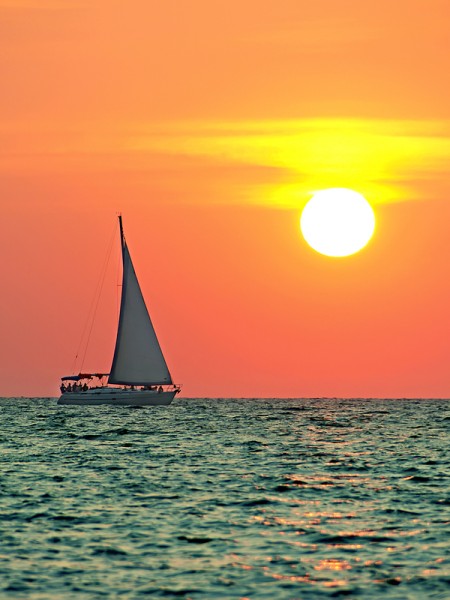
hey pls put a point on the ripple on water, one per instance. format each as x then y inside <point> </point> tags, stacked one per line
<point>225,499</point>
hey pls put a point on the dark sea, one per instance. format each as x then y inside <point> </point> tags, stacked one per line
<point>225,498</point>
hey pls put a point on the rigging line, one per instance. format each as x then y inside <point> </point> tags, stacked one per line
<point>94,302</point>
<point>103,277</point>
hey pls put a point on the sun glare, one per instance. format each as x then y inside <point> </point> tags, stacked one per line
<point>337,222</point>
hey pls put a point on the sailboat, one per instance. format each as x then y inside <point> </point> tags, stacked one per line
<point>139,375</point>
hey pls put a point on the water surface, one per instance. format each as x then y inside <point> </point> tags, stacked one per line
<point>276,499</point>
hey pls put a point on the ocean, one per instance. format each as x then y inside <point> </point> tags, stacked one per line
<point>225,498</point>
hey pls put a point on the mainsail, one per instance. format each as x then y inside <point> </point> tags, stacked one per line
<point>138,359</point>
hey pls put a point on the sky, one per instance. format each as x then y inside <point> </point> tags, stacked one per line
<point>209,125</point>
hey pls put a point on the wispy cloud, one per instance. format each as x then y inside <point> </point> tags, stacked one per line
<point>381,158</point>
<point>276,162</point>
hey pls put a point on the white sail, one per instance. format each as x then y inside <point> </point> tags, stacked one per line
<point>138,359</point>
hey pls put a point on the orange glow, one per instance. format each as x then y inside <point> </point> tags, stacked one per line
<point>209,129</point>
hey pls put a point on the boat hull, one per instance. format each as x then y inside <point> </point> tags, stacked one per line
<point>117,397</point>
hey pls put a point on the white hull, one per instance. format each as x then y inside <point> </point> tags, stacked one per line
<point>117,397</point>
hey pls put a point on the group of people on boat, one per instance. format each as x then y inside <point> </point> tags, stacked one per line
<point>73,387</point>
<point>153,388</point>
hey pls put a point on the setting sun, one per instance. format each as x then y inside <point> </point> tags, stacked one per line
<point>337,222</point>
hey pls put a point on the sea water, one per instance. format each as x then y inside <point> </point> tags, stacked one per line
<point>225,498</point>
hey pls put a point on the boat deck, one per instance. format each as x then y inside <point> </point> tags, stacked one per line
<point>118,397</point>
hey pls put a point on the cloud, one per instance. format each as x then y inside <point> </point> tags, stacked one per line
<point>382,158</point>
<point>271,162</point>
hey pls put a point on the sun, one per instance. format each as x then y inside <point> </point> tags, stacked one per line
<point>337,222</point>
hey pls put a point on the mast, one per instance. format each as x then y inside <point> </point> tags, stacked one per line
<point>122,236</point>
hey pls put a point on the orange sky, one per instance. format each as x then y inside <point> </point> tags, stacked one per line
<point>209,124</point>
